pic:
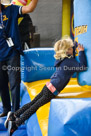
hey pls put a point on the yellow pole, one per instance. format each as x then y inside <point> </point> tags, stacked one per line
<point>66,8</point>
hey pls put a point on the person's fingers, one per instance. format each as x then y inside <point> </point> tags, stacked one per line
<point>79,45</point>
<point>82,47</point>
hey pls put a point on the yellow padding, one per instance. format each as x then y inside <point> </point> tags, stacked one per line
<point>72,90</point>
<point>66,7</point>
<point>43,113</point>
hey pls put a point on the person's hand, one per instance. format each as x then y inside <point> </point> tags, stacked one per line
<point>80,47</point>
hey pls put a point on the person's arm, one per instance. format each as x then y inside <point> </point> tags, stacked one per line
<point>82,65</point>
<point>82,56</point>
<point>29,8</point>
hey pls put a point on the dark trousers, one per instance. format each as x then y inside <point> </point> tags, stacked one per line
<point>28,109</point>
<point>10,72</point>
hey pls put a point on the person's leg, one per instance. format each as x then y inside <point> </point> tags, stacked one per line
<point>12,116</point>
<point>28,105</point>
<point>4,89</point>
<point>14,79</point>
<point>47,96</point>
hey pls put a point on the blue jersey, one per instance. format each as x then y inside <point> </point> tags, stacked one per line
<point>9,18</point>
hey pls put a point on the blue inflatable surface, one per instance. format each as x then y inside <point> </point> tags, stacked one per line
<point>37,64</point>
<point>70,117</point>
<point>82,23</point>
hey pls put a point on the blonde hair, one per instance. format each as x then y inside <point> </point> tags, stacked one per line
<point>61,47</point>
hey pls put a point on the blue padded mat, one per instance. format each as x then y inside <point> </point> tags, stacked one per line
<point>70,117</point>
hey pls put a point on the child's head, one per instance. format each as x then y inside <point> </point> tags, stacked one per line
<point>63,48</point>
